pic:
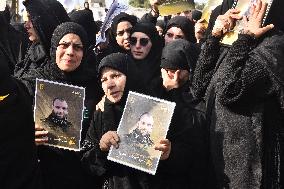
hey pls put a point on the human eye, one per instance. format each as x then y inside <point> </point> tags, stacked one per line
<point>179,37</point>
<point>78,47</point>
<point>120,33</point>
<point>170,35</point>
<point>64,45</point>
<point>103,79</point>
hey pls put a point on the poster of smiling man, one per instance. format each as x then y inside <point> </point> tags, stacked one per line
<point>59,110</point>
<point>145,121</point>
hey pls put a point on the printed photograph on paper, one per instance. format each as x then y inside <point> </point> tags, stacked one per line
<point>170,7</point>
<point>59,110</point>
<point>244,6</point>
<point>145,121</point>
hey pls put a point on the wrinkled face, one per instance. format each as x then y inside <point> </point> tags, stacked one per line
<point>145,124</point>
<point>174,33</point>
<point>160,30</point>
<point>140,45</point>
<point>69,52</point>
<point>123,34</point>
<point>113,84</point>
<point>60,108</point>
<point>33,37</point>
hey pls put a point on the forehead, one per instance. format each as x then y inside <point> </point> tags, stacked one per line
<point>140,35</point>
<point>175,30</point>
<point>147,118</point>
<point>70,37</point>
<point>58,102</point>
<point>123,25</point>
<point>106,71</point>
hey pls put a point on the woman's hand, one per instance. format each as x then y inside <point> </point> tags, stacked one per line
<point>40,135</point>
<point>225,22</point>
<point>252,23</point>
<point>108,139</point>
<point>165,147</point>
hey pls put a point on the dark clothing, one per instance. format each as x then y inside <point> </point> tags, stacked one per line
<point>45,15</point>
<point>18,165</point>
<point>186,25</point>
<point>110,174</point>
<point>245,110</point>
<point>187,165</point>
<point>18,159</point>
<point>53,121</point>
<point>35,58</point>
<point>137,137</point>
<point>62,168</point>
<point>148,68</point>
<point>10,42</point>
<point>113,47</point>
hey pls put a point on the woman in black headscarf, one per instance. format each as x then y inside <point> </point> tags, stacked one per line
<point>43,17</point>
<point>146,48</point>
<point>104,124</point>
<point>118,35</point>
<point>68,46</point>
<point>244,94</point>
<point>180,27</point>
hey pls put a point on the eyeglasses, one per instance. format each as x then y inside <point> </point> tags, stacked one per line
<point>142,41</point>
<point>121,33</point>
<point>76,47</point>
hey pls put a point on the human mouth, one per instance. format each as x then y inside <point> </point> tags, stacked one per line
<point>138,53</point>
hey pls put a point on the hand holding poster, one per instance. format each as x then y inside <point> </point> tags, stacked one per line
<point>59,110</point>
<point>145,121</point>
<point>244,6</point>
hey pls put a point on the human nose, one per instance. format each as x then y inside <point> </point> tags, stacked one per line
<point>110,84</point>
<point>27,24</point>
<point>126,35</point>
<point>70,50</point>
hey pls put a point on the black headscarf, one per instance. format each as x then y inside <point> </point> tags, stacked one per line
<point>46,15</point>
<point>275,15</point>
<point>85,18</point>
<point>52,69</point>
<point>148,69</point>
<point>185,25</point>
<point>179,54</point>
<point>112,32</point>
<point>119,62</point>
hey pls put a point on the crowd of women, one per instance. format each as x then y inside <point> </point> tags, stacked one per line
<point>226,130</point>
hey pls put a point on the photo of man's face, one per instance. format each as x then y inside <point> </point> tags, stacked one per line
<point>60,108</point>
<point>145,124</point>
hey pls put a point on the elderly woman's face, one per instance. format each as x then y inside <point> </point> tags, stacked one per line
<point>113,84</point>
<point>140,45</point>
<point>69,52</point>
<point>123,34</point>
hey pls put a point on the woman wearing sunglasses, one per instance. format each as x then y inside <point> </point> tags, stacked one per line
<point>146,47</point>
<point>61,168</point>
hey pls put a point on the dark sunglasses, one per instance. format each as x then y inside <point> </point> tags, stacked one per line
<point>76,47</point>
<point>142,41</point>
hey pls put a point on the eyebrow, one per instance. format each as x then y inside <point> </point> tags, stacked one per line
<point>72,42</point>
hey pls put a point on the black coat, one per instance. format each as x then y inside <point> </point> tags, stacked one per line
<point>62,168</point>
<point>187,165</point>
<point>109,174</point>
<point>244,95</point>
